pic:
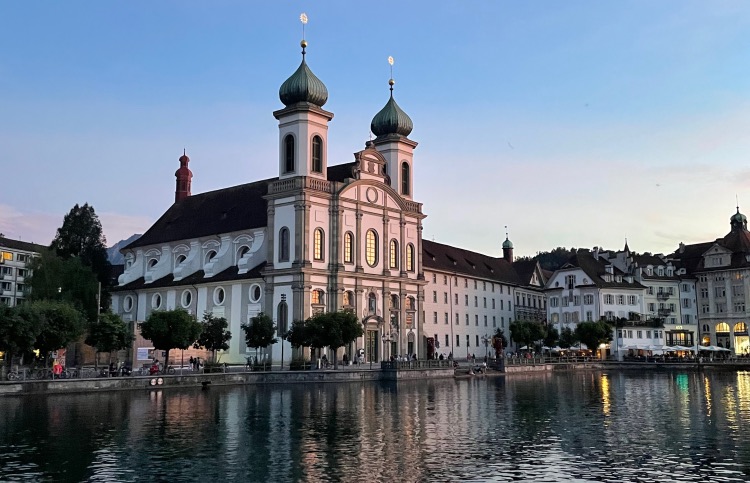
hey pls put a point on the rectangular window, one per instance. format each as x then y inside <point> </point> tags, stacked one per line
<point>494,321</point>
<point>457,322</point>
<point>475,284</point>
<point>467,319</point>
<point>493,303</point>
<point>737,290</point>
<point>619,334</point>
<point>484,286</point>
<point>685,287</point>
<point>434,296</point>
<point>468,341</point>
<point>455,281</point>
<point>446,318</point>
<point>476,301</point>
<point>434,317</point>
<point>564,301</point>
<point>570,281</point>
<point>485,302</point>
<point>686,319</point>
<point>455,299</point>
<point>485,321</point>
<point>445,297</point>
<point>720,291</point>
<point>651,290</point>
<point>739,307</point>
<point>445,279</point>
<point>466,283</point>
<point>651,307</point>
<point>501,304</point>
<point>704,292</point>
<point>704,309</point>
<point>670,290</point>
<point>476,320</point>
<point>620,300</point>
<point>640,334</point>
<point>630,334</point>
<point>458,341</point>
<point>477,340</point>
<point>609,299</point>
<point>589,316</point>
<point>447,341</point>
<point>686,303</point>
<point>502,322</point>
<point>631,299</point>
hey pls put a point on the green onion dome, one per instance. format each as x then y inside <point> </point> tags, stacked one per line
<point>303,86</point>
<point>391,119</point>
<point>738,217</point>
<point>507,244</point>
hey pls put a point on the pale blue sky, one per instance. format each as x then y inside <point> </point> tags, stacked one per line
<point>575,123</point>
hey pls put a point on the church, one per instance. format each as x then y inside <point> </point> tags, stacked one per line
<point>314,238</point>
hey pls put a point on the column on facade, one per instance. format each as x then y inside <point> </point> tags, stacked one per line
<point>270,236</point>
<point>386,247</point>
<point>359,240</point>
<point>402,247</point>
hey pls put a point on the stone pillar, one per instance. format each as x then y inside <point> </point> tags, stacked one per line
<point>386,249</point>
<point>358,239</point>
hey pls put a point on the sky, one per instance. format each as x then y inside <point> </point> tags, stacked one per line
<point>574,124</point>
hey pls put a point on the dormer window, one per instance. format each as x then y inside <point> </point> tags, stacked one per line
<point>210,256</point>
<point>179,260</point>
<point>152,263</point>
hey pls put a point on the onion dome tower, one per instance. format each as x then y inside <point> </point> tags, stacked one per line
<point>303,124</point>
<point>738,221</point>
<point>507,248</point>
<point>184,179</point>
<point>392,126</point>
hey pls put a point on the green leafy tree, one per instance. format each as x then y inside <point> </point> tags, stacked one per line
<point>594,333</point>
<point>215,336</point>
<point>297,335</point>
<point>260,332</point>
<point>66,280</point>
<point>333,329</point>
<point>60,323</point>
<point>171,329</point>
<point>109,334</point>
<point>554,259</point>
<point>567,338</point>
<point>552,337</point>
<point>81,236</point>
<point>17,334</point>
<point>526,332</point>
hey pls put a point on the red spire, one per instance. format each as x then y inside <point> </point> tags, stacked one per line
<point>184,179</point>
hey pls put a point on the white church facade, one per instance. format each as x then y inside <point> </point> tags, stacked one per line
<point>315,238</point>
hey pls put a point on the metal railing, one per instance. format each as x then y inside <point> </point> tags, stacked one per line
<point>416,364</point>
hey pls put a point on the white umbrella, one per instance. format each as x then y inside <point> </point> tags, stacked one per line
<point>524,348</point>
<point>683,348</point>
<point>557,349</point>
<point>711,348</point>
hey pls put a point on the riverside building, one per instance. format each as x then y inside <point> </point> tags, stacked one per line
<point>15,258</point>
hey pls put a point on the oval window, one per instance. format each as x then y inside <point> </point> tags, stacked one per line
<point>156,301</point>
<point>128,303</point>
<point>219,296</point>
<point>255,293</point>
<point>187,298</point>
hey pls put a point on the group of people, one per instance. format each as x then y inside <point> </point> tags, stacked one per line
<point>195,363</point>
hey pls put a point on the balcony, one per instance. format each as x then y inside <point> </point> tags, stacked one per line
<point>664,312</point>
<point>662,296</point>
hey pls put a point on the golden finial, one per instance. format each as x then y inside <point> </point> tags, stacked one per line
<point>303,43</point>
<point>391,81</point>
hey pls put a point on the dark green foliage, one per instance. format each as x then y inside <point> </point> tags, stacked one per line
<point>552,337</point>
<point>297,334</point>
<point>67,280</point>
<point>499,342</point>
<point>594,333</point>
<point>171,329</point>
<point>260,332</point>
<point>567,338</point>
<point>215,336</point>
<point>330,329</point>
<point>17,334</point>
<point>552,260</point>
<point>59,324</point>
<point>526,332</point>
<point>109,334</point>
<point>81,236</point>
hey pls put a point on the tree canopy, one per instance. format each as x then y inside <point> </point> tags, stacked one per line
<point>59,323</point>
<point>594,333</point>
<point>552,337</point>
<point>81,236</point>
<point>214,335</point>
<point>552,260</point>
<point>109,334</point>
<point>567,338</point>
<point>17,334</point>
<point>66,280</point>
<point>526,332</point>
<point>171,329</point>
<point>329,329</point>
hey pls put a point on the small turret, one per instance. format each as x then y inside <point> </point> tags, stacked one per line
<point>184,179</point>
<point>507,248</point>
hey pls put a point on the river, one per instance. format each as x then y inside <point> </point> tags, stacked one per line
<point>566,426</point>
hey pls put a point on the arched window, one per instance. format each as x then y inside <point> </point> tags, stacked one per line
<point>317,154</point>
<point>318,297</point>
<point>405,179</point>
<point>409,303</point>
<point>284,244</point>
<point>722,327</point>
<point>210,255</point>
<point>706,328</point>
<point>371,248</point>
<point>410,257</point>
<point>318,240</point>
<point>372,303</point>
<point>152,263</point>
<point>394,254</point>
<point>394,302</point>
<point>282,318</point>
<point>179,260</point>
<point>289,154</point>
<point>242,251</point>
<point>348,247</point>
<point>740,327</point>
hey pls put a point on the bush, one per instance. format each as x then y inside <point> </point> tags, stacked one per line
<point>300,365</point>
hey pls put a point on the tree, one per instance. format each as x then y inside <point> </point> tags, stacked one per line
<point>552,260</point>
<point>526,332</point>
<point>68,280</point>
<point>333,329</point>
<point>171,329</point>
<point>567,338</point>
<point>81,236</point>
<point>17,334</point>
<point>59,323</point>
<point>552,337</point>
<point>109,334</point>
<point>260,332</point>
<point>215,335</point>
<point>297,335</point>
<point>499,341</point>
<point>594,333</point>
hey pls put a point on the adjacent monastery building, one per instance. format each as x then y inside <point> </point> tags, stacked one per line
<point>317,237</point>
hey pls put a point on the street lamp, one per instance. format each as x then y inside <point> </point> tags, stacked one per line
<point>486,340</point>
<point>387,338</point>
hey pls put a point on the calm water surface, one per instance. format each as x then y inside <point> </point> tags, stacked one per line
<point>585,426</point>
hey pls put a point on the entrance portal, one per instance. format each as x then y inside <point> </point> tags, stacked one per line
<point>371,346</point>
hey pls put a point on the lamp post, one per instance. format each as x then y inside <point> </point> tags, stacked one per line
<point>387,338</point>
<point>486,340</point>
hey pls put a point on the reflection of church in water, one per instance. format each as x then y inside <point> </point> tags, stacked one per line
<point>317,237</point>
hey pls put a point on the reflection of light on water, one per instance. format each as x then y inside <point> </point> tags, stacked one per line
<point>707,391</point>
<point>743,391</point>
<point>605,395</point>
<point>682,382</point>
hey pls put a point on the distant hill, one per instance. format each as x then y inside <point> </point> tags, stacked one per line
<point>113,252</point>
